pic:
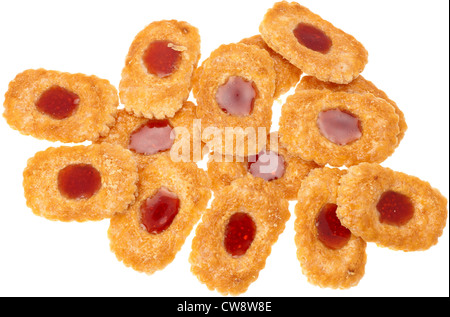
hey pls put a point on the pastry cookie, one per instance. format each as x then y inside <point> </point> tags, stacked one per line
<point>313,44</point>
<point>338,128</point>
<point>235,237</point>
<point>330,256</point>
<point>390,208</point>
<point>358,86</point>
<point>172,198</point>
<point>282,171</point>
<point>234,90</point>
<point>148,138</point>
<point>156,79</point>
<point>80,183</point>
<point>59,106</point>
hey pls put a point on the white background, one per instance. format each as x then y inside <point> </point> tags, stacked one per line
<point>408,59</point>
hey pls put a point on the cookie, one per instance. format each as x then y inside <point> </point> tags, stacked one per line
<point>338,128</point>
<point>171,200</point>
<point>58,106</point>
<point>313,44</point>
<point>282,171</point>
<point>234,90</point>
<point>80,183</point>
<point>236,234</point>
<point>329,254</point>
<point>390,208</point>
<point>358,86</point>
<point>156,79</point>
<point>148,138</point>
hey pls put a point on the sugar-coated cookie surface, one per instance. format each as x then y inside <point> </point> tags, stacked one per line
<point>313,44</point>
<point>131,239</point>
<point>338,128</point>
<point>160,93</point>
<point>390,208</point>
<point>263,217</point>
<point>323,266</point>
<point>80,183</point>
<point>60,106</point>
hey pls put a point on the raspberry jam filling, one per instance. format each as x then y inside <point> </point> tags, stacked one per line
<point>79,181</point>
<point>312,38</point>
<point>152,137</point>
<point>58,102</point>
<point>340,127</point>
<point>237,96</point>
<point>395,209</point>
<point>239,234</point>
<point>158,211</point>
<point>330,230</point>
<point>161,59</point>
<point>267,165</point>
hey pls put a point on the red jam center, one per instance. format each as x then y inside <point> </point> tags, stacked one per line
<point>267,165</point>
<point>79,181</point>
<point>236,96</point>
<point>340,127</point>
<point>58,102</point>
<point>312,38</point>
<point>330,230</point>
<point>239,234</point>
<point>153,137</point>
<point>161,59</point>
<point>395,209</point>
<point>158,211</point>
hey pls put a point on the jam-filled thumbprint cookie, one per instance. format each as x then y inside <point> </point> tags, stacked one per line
<point>312,44</point>
<point>392,209</point>
<point>80,183</point>
<point>234,89</point>
<point>172,198</point>
<point>156,79</point>
<point>339,128</point>
<point>236,234</point>
<point>58,106</point>
<point>329,254</point>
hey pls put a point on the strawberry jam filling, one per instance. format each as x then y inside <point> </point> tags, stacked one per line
<point>395,209</point>
<point>267,165</point>
<point>239,234</point>
<point>158,211</point>
<point>312,38</point>
<point>237,96</point>
<point>340,127</point>
<point>79,181</point>
<point>58,102</point>
<point>161,59</point>
<point>330,230</point>
<point>152,137</point>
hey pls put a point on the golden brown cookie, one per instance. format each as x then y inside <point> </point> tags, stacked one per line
<point>148,138</point>
<point>156,79</point>
<point>330,256</point>
<point>358,86</point>
<point>172,198</point>
<point>236,235</point>
<point>390,208</point>
<point>338,128</point>
<point>59,106</point>
<point>313,44</point>
<point>234,90</point>
<point>283,171</point>
<point>80,183</point>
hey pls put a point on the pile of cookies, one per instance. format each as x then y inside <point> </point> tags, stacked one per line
<point>334,130</point>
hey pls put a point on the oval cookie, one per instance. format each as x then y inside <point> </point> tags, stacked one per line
<point>58,106</point>
<point>390,208</point>
<point>80,183</point>
<point>330,256</point>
